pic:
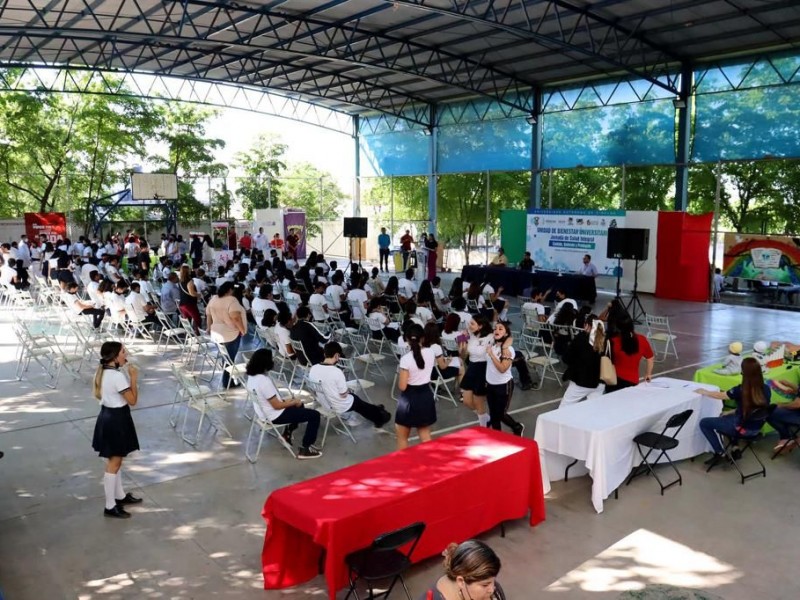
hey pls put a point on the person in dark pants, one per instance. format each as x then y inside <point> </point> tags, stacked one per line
<point>227,321</point>
<point>269,405</point>
<point>499,382</point>
<point>309,336</point>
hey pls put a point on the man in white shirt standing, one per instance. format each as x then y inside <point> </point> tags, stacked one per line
<point>587,268</point>
<point>335,392</point>
<point>23,252</point>
<point>260,241</point>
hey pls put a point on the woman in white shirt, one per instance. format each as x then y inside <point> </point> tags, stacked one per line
<point>270,406</point>
<point>114,433</point>
<point>416,407</point>
<point>499,380</point>
<point>473,384</point>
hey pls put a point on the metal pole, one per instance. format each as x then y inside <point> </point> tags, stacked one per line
<point>549,188</point>
<point>622,194</point>
<point>269,191</point>
<point>322,226</point>
<point>717,198</point>
<point>391,203</point>
<point>488,194</point>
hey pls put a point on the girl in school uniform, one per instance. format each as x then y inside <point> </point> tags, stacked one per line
<point>499,380</point>
<point>114,432</point>
<point>416,407</point>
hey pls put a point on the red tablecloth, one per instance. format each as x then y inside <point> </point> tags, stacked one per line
<point>460,485</point>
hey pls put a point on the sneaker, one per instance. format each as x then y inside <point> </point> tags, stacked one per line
<point>310,452</point>
<point>518,429</point>
<point>116,513</point>
<point>736,454</point>
<point>129,499</point>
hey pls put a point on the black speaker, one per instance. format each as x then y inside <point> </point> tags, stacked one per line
<point>628,244</point>
<point>355,227</point>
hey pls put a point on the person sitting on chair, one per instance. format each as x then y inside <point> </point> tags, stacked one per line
<point>526,264</point>
<point>501,260</point>
<point>334,386</point>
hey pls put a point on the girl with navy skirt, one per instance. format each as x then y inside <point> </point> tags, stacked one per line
<point>416,407</point>
<point>114,432</point>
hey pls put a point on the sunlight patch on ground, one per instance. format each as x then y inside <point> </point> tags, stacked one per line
<point>644,558</point>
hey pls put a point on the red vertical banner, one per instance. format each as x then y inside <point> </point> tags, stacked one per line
<point>294,232</point>
<point>682,267</point>
<point>51,225</point>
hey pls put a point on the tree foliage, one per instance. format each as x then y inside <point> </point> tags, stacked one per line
<point>307,188</point>
<point>261,166</point>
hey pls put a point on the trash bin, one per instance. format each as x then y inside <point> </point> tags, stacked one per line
<point>398,262</point>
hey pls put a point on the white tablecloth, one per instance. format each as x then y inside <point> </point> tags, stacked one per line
<point>600,432</point>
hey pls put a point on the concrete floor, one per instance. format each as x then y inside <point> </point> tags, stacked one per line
<point>199,532</point>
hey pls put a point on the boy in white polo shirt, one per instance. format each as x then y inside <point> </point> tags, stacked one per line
<point>334,385</point>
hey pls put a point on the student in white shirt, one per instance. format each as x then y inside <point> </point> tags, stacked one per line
<point>79,307</point>
<point>263,303</point>
<point>86,270</point>
<point>93,289</point>
<point>473,384</point>
<point>112,270</point>
<point>416,406</point>
<point>335,391</point>
<point>499,380</point>
<point>448,366</point>
<point>114,432</point>
<point>459,306</point>
<point>535,305</point>
<point>361,299</point>
<point>379,323</point>
<point>270,406</point>
<point>317,303</point>
<point>406,286</point>
<point>139,305</point>
<point>561,300</point>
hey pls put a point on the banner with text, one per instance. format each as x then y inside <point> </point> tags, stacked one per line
<point>558,239</point>
<point>762,257</point>
<point>51,225</point>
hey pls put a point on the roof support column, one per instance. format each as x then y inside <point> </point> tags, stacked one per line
<point>433,173</point>
<point>535,200</point>
<point>683,104</point>
<point>357,179</point>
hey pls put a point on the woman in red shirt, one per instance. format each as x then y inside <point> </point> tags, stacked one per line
<point>628,348</point>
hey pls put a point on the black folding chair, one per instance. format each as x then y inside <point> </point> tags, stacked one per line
<point>794,432</point>
<point>384,559</point>
<point>659,442</point>
<point>734,454</point>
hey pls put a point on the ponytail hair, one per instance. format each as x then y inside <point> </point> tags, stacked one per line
<point>108,352</point>
<point>414,337</point>
<point>597,333</point>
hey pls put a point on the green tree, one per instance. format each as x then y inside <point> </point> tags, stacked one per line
<point>189,154</point>
<point>262,166</point>
<point>307,188</point>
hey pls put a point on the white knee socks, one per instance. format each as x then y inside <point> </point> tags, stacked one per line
<point>119,493</point>
<point>483,420</point>
<point>109,485</point>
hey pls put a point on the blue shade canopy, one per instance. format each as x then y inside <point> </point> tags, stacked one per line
<point>398,153</point>
<point>748,124</point>
<point>503,145</point>
<point>632,134</point>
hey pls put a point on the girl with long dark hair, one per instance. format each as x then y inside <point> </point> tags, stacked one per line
<point>456,289</point>
<point>416,407</point>
<point>473,384</point>
<point>583,362</point>
<point>114,433</point>
<point>628,348</point>
<point>499,380</point>
<point>752,394</point>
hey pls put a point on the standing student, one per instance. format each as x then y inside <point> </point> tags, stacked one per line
<point>628,348</point>
<point>583,362</point>
<point>187,305</point>
<point>499,381</point>
<point>432,246</point>
<point>114,433</point>
<point>473,384</point>
<point>384,241</point>
<point>416,407</point>
<point>227,322</point>
<point>405,246</point>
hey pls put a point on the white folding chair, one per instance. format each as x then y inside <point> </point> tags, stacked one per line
<point>355,384</point>
<point>264,425</point>
<point>658,330</point>
<point>229,365</point>
<point>200,398</point>
<point>326,410</point>
<point>169,332</point>
<point>546,360</point>
<point>370,360</point>
<point>439,382</point>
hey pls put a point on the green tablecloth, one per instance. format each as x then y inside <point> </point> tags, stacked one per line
<point>788,371</point>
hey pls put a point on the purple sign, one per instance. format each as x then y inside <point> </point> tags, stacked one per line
<point>294,232</point>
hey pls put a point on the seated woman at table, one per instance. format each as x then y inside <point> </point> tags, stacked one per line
<point>271,407</point>
<point>416,407</point>
<point>786,416</point>
<point>753,393</point>
<point>628,348</point>
<point>583,362</point>
<point>470,571</point>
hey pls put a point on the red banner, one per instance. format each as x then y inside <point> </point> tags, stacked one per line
<point>52,225</point>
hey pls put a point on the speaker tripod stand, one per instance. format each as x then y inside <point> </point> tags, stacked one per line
<point>634,306</point>
<point>349,268</point>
